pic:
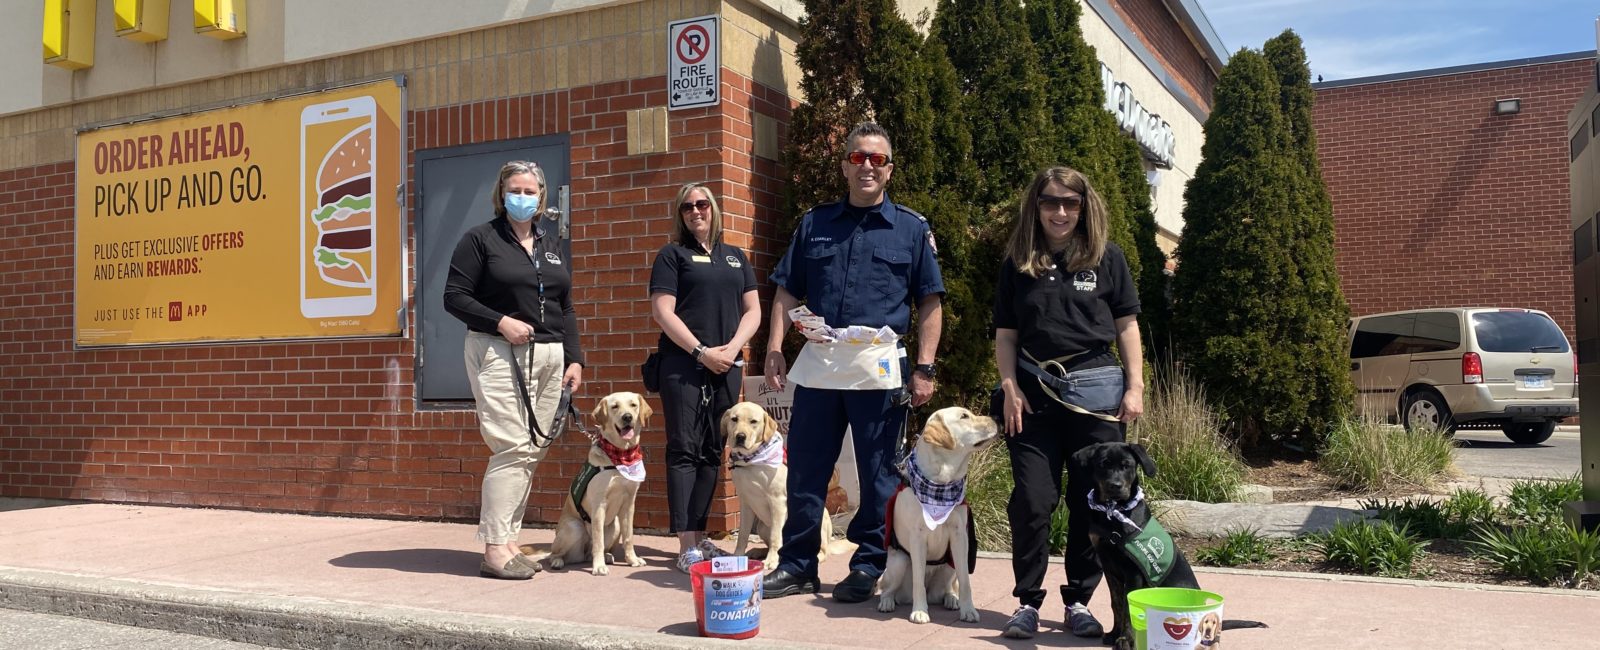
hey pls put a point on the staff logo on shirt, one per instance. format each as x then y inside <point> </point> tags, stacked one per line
<point>733,261</point>
<point>1085,280</point>
<point>551,258</point>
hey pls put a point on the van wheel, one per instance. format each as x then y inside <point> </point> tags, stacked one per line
<point>1530,433</point>
<point>1426,409</point>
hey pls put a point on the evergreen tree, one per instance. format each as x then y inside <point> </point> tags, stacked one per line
<point>1002,91</point>
<point>1238,279</point>
<point>1321,335</point>
<point>833,46</point>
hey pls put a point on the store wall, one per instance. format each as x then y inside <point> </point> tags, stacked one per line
<point>333,426</point>
<point>1440,203</point>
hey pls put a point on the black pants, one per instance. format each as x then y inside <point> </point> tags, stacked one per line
<point>1050,435</point>
<point>694,444</point>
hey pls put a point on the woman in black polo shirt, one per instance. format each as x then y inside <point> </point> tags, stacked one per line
<point>1065,296</point>
<point>510,286</point>
<point>703,295</point>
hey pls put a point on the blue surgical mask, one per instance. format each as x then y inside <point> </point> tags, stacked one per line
<point>521,207</point>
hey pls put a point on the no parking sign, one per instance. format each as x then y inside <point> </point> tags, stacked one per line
<point>692,63</point>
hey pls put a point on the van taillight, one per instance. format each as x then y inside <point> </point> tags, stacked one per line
<point>1471,368</point>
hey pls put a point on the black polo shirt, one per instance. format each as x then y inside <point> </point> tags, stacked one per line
<point>1057,314</point>
<point>710,289</point>
<point>491,276</point>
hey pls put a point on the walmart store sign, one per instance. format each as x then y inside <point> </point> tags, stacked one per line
<point>1153,133</point>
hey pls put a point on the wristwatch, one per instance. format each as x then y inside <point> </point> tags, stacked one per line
<point>699,351</point>
<point>928,370</point>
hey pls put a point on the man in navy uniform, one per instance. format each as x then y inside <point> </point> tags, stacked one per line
<point>860,261</point>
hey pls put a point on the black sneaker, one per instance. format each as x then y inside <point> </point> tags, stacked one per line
<point>1081,622</point>
<point>855,588</point>
<point>1024,623</point>
<point>781,583</point>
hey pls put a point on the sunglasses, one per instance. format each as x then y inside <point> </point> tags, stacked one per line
<point>1069,203</point>
<point>686,206</point>
<point>858,157</point>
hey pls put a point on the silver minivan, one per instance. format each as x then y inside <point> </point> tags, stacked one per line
<point>1469,367</point>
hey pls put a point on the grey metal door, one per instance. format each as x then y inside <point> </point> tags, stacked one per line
<point>453,186</point>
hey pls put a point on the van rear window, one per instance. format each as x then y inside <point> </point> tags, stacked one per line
<point>1517,331</point>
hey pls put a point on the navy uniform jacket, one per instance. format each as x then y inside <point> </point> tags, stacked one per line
<point>866,272</point>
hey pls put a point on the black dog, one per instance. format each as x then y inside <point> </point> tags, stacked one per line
<point>1114,467</point>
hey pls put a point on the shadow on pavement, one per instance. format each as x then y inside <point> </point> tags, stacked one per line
<point>414,560</point>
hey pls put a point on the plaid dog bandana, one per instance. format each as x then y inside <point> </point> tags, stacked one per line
<point>1114,511</point>
<point>768,454</point>
<point>938,500</point>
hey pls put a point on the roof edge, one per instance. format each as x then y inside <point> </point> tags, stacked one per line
<point>1455,70</point>
<point>1194,20</point>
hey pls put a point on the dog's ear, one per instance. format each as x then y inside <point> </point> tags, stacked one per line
<point>937,434</point>
<point>770,429</point>
<point>1144,459</point>
<point>645,411</point>
<point>599,412</point>
<point>1084,458</point>
<point>726,424</point>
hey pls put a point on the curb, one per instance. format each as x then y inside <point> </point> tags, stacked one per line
<point>303,622</point>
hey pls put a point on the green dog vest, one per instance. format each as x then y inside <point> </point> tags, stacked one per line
<point>1152,551</point>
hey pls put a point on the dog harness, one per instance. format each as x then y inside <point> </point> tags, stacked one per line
<point>629,463</point>
<point>937,501</point>
<point>1150,547</point>
<point>773,453</point>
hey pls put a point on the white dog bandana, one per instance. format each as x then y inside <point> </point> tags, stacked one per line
<point>769,454</point>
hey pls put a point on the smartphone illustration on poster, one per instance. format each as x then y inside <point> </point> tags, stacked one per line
<point>338,259</point>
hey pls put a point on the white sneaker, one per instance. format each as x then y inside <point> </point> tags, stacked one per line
<point>689,558</point>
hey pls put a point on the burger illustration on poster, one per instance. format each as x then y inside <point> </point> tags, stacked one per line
<point>337,228</point>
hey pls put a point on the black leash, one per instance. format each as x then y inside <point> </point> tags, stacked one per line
<point>908,432</point>
<point>537,434</point>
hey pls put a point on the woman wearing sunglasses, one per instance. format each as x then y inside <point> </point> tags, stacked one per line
<point>703,295</point>
<point>1065,296</point>
<point>511,287</point>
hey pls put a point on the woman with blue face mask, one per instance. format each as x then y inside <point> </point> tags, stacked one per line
<point>509,283</point>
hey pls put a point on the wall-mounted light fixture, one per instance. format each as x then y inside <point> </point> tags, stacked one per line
<point>144,21</point>
<point>1507,106</point>
<point>68,33</point>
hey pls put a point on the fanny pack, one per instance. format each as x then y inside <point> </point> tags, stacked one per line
<point>650,372</point>
<point>1095,392</point>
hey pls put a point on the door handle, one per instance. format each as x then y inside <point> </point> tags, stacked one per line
<point>1355,365</point>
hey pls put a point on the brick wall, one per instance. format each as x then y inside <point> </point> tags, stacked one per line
<point>1437,202</point>
<point>1165,38</point>
<point>331,427</point>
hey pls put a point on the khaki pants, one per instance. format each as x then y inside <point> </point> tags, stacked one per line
<point>502,419</point>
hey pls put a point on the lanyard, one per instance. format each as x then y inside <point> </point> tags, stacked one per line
<point>538,268</point>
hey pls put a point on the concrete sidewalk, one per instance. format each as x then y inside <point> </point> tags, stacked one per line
<point>305,581</point>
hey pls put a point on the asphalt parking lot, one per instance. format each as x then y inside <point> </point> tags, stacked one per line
<point>1488,454</point>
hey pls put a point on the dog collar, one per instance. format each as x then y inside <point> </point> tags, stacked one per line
<point>771,453</point>
<point>1114,511</point>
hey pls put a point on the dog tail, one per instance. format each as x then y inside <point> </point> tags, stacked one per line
<point>1239,624</point>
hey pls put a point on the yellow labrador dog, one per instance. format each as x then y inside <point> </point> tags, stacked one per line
<point>760,474</point>
<point>602,517</point>
<point>932,542</point>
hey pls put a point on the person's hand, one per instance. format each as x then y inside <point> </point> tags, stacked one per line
<point>719,359</point>
<point>1015,405</point>
<point>573,378</point>
<point>777,369</point>
<point>921,389</point>
<point>1132,404</point>
<point>515,331</point>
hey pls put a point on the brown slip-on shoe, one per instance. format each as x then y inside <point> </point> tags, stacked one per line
<point>514,570</point>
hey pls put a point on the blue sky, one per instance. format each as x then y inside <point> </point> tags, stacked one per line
<point>1361,38</point>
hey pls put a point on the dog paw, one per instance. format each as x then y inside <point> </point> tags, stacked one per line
<point>557,562</point>
<point>969,614</point>
<point>635,561</point>
<point>600,570</point>
<point>920,616</point>
<point>1122,642</point>
<point>770,563</point>
<point>886,603</point>
<point>610,558</point>
<point>952,602</point>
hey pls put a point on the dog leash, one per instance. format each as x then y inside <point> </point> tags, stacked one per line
<point>534,431</point>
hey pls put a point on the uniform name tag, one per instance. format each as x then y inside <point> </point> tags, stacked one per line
<point>703,259</point>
